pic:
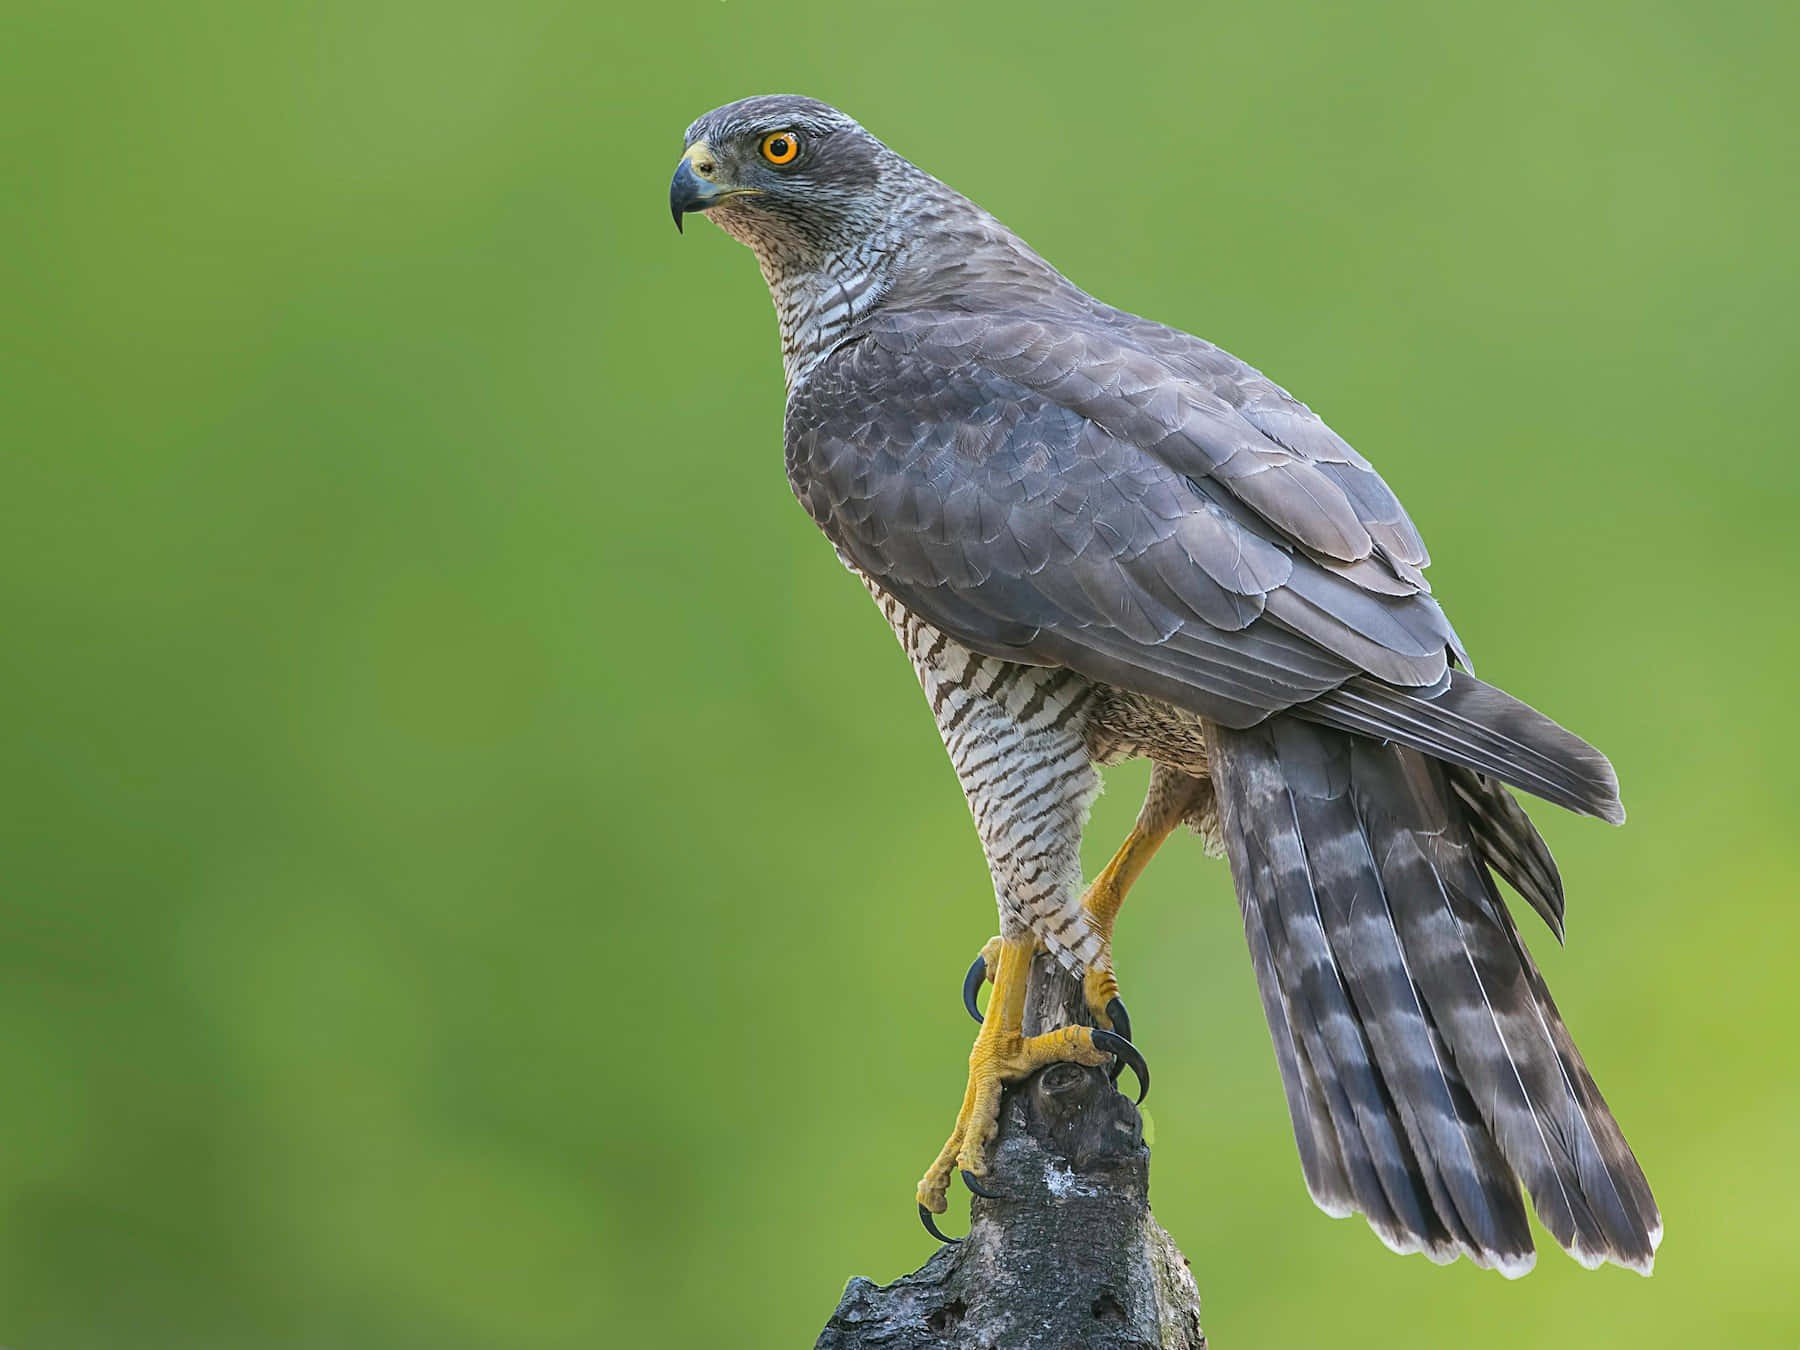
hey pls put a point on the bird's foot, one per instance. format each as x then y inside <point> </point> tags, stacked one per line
<point>1002,1055</point>
<point>991,1067</point>
<point>1100,988</point>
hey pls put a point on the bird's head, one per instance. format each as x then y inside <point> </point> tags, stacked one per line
<point>841,225</point>
<point>789,176</point>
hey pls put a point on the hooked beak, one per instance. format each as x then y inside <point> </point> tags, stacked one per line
<point>695,185</point>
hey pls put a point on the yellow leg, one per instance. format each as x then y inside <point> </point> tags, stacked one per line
<point>1174,795</point>
<point>1103,901</point>
<point>1002,1054</point>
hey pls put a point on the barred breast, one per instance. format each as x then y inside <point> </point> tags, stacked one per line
<point>1025,742</point>
<point>1017,738</point>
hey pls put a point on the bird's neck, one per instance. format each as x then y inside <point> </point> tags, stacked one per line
<point>924,245</point>
<point>820,298</point>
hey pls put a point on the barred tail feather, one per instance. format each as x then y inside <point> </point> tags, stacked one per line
<point>1427,1071</point>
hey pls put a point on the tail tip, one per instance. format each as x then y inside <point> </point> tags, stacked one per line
<point>1640,1259</point>
<point>1514,1265</point>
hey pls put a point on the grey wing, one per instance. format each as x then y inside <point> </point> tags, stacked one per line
<point>1027,531</point>
<point>1047,491</point>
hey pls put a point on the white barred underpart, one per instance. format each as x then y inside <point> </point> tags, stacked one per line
<point>1017,738</point>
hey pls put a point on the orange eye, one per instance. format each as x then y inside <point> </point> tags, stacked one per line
<point>780,147</point>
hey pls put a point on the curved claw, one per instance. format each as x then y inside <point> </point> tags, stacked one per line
<point>925,1217</point>
<point>1114,1044</point>
<point>1116,1014</point>
<point>973,1182</point>
<point>1121,1023</point>
<point>972,983</point>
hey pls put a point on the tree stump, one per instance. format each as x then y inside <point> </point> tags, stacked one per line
<point>1069,1255</point>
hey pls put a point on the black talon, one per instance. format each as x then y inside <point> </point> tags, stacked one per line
<point>976,1188</point>
<point>932,1228</point>
<point>1121,1023</point>
<point>1116,1014</point>
<point>1112,1043</point>
<point>972,986</point>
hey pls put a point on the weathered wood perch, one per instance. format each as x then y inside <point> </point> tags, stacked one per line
<point>1070,1255</point>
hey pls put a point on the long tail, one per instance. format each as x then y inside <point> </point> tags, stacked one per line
<point>1427,1071</point>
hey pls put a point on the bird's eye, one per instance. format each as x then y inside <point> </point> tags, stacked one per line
<point>780,147</point>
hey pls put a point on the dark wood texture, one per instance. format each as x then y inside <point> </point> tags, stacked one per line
<point>1069,1255</point>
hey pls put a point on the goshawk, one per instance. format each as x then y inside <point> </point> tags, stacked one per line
<point>1099,538</point>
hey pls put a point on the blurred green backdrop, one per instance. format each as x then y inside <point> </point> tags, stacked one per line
<point>477,873</point>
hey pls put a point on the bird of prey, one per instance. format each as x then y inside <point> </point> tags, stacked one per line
<point>1097,538</point>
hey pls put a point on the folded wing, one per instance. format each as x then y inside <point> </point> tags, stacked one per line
<point>1089,492</point>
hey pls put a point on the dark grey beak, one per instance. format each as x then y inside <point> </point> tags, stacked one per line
<point>688,191</point>
<point>695,185</point>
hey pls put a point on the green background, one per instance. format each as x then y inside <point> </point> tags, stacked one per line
<point>475,872</point>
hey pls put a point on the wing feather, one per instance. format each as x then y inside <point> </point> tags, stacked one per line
<point>1096,492</point>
